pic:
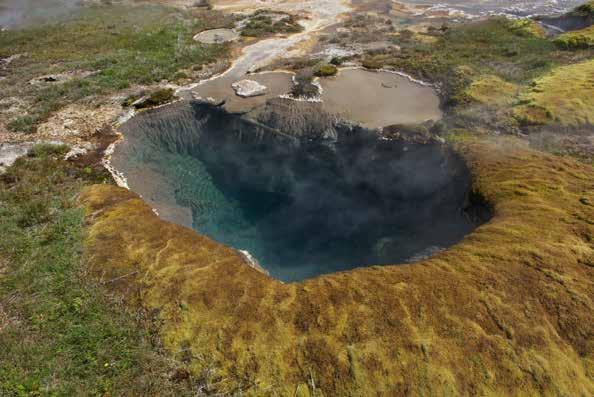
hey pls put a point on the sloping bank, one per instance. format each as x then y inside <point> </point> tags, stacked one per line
<point>507,311</point>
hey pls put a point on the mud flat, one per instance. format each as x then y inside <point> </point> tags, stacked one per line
<point>378,99</point>
<point>220,89</point>
<point>372,99</point>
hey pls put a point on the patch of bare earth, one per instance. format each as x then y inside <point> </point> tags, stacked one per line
<point>77,122</point>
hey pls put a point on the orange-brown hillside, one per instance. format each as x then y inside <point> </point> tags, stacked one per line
<point>508,311</point>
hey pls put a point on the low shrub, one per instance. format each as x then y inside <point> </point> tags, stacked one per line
<point>266,23</point>
<point>24,124</point>
<point>372,63</point>
<point>303,87</point>
<point>156,98</point>
<point>326,70</point>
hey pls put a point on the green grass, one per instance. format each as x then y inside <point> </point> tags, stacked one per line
<point>563,96</point>
<point>497,47</point>
<point>60,335</point>
<point>120,45</point>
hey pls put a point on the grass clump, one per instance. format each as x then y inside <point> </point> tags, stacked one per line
<point>371,63</point>
<point>59,333</point>
<point>116,47</point>
<point>304,87</point>
<point>42,150</point>
<point>267,23</point>
<point>491,91</point>
<point>326,70</point>
<point>156,98</point>
<point>22,123</point>
<point>527,27</point>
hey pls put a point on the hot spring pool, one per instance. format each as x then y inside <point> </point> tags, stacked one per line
<point>301,206</point>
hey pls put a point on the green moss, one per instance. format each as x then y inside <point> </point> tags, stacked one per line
<point>130,99</point>
<point>24,124</point>
<point>48,149</point>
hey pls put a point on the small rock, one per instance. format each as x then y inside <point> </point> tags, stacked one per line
<point>50,78</point>
<point>75,152</point>
<point>248,88</point>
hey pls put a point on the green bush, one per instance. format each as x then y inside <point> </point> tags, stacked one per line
<point>130,99</point>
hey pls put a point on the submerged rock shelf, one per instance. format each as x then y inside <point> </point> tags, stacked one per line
<point>304,199</point>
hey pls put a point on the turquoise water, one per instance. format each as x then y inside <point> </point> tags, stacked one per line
<point>307,208</point>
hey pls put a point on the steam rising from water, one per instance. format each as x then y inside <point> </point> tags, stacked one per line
<point>17,12</point>
<point>300,206</point>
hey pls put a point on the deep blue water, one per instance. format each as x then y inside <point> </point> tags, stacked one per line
<point>310,208</point>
